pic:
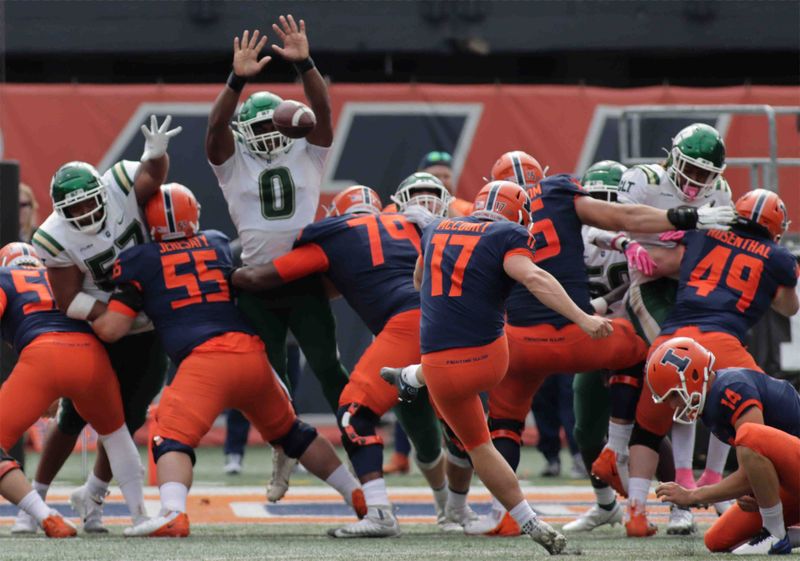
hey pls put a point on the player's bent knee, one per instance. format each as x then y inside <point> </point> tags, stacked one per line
<point>297,440</point>
<point>358,424</point>
<point>644,437</point>
<point>506,428</point>
<point>163,445</point>
<point>715,541</point>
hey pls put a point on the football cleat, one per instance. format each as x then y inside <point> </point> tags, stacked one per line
<point>405,392</point>
<point>380,522</point>
<point>545,535</point>
<point>56,526</point>
<point>398,464</point>
<point>456,519</point>
<point>681,521</point>
<point>497,523</point>
<point>765,543</point>
<point>282,466</point>
<point>90,509</point>
<point>612,470</point>
<point>173,524</point>
<point>637,525</point>
<point>24,523</point>
<point>594,518</point>
<point>359,503</point>
<point>233,464</point>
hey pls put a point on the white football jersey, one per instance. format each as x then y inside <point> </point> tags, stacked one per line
<point>650,185</point>
<point>271,200</point>
<point>607,269</point>
<point>61,245</point>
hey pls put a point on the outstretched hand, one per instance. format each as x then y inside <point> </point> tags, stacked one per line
<point>245,54</point>
<point>295,41</point>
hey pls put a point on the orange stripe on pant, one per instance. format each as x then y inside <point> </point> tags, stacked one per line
<point>536,352</point>
<point>54,365</point>
<point>455,377</point>
<point>229,371</point>
<point>396,345</point>
<point>728,353</point>
<point>783,449</point>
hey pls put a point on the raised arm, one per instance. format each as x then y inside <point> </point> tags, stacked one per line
<point>155,162</point>
<point>295,50</point>
<point>246,64</point>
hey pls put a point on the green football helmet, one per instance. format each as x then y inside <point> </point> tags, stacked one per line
<point>255,113</point>
<point>434,196</point>
<point>75,183</point>
<point>696,160</point>
<point>601,180</point>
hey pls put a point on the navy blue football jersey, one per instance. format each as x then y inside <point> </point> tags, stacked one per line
<point>728,281</point>
<point>735,390</point>
<point>559,251</point>
<point>29,309</point>
<point>464,285</point>
<point>184,289</point>
<point>370,262</point>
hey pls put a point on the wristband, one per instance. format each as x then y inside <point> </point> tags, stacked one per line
<point>81,306</point>
<point>683,217</point>
<point>236,83</point>
<point>304,65</point>
<point>600,305</point>
<point>620,242</point>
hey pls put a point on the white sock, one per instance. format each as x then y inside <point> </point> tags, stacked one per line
<point>772,520</point>
<point>456,500</point>
<point>375,493</point>
<point>126,465</point>
<point>96,486</point>
<point>717,454</point>
<point>441,497</point>
<point>173,496</point>
<point>33,504</point>
<point>618,437</point>
<point>522,513</point>
<point>343,481</point>
<point>683,445</point>
<point>605,496</point>
<point>409,376</point>
<point>638,489</point>
<point>41,488</point>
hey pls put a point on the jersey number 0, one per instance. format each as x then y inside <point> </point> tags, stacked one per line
<point>277,193</point>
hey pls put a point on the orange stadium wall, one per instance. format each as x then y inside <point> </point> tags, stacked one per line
<point>381,130</point>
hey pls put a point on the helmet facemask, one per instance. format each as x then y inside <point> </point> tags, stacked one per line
<point>691,404</point>
<point>264,144</point>
<point>693,177</point>
<point>88,221</point>
<point>433,198</point>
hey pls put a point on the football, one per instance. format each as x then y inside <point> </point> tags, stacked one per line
<point>294,119</point>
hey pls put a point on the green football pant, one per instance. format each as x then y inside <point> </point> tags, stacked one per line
<point>592,411</point>
<point>422,427</point>
<point>649,304</point>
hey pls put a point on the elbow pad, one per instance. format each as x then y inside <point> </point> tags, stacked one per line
<point>683,217</point>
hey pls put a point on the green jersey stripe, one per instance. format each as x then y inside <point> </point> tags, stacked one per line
<point>45,240</point>
<point>122,178</point>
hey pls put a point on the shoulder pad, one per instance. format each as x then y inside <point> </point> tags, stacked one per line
<point>652,176</point>
<point>325,227</point>
<point>47,242</point>
<point>121,174</point>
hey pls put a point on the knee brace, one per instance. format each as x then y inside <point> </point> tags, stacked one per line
<point>163,445</point>
<point>506,428</point>
<point>644,437</point>
<point>297,440</point>
<point>357,424</point>
<point>458,458</point>
<point>7,463</point>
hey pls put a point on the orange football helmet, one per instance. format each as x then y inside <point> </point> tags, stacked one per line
<point>172,213</point>
<point>357,198</point>
<point>682,367</point>
<point>503,199</point>
<point>19,254</point>
<point>519,167</point>
<point>766,209</point>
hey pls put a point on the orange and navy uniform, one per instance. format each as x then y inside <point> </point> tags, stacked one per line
<point>543,342</point>
<point>182,287</point>
<point>463,295</point>
<point>42,336</point>
<point>734,391</point>
<point>727,283</point>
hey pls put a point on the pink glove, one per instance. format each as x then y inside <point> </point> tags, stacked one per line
<point>639,259</point>
<point>672,236</point>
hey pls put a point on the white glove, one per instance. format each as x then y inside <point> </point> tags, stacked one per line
<point>715,218</point>
<point>157,138</point>
<point>419,215</point>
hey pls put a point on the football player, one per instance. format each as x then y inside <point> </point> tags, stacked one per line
<point>179,280</point>
<point>760,417</point>
<point>440,165</point>
<point>39,332</point>
<point>94,218</point>
<point>271,184</point>
<point>369,257</point>
<point>728,281</point>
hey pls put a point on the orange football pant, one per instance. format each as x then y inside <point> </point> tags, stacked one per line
<point>229,371</point>
<point>54,365</point>
<point>396,345</point>
<point>456,377</point>
<point>538,351</point>
<point>728,352</point>
<point>783,449</point>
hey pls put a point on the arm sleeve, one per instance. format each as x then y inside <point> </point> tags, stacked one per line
<point>318,154</point>
<point>126,299</point>
<point>737,398</point>
<point>50,252</point>
<point>787,269</point>
<point>519,242</point>
<point>633,187</point>
<point>301,262</point>
<point>224,171</point>
<point>121,176</point>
